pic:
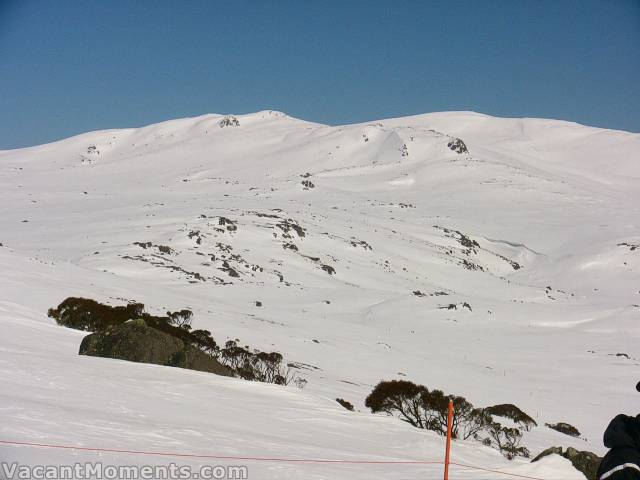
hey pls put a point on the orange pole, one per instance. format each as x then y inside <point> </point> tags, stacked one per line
<point>448,452</point>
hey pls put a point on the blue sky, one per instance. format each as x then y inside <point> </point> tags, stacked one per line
<point>69,66</point>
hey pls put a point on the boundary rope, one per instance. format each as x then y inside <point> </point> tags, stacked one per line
<point>223,457</point>
<point>473,467</point>
<point>262,459</point>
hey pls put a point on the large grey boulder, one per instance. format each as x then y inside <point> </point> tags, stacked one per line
<point>582,460</point>
<point>135,341</point>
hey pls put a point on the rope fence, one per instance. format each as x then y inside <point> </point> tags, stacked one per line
<point>262,459</point>
<point>224,457</point>
<point>473,467</point>
<point>446,463</point>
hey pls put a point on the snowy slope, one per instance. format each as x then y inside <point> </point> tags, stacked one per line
<point>552,282</point>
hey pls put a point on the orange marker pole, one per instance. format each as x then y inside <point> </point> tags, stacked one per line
<point>448,452</point>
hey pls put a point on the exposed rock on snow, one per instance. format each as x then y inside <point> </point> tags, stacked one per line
<point>229,121</point>
<point>583,461</point>
<point>136,342</point>
<point>457,146</point>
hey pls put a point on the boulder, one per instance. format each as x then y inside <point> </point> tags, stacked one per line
<point>582,460</point>
<point>135,341</point>
<point>458,146</point>
<point>586,462</point>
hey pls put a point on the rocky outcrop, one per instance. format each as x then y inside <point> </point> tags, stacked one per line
<point>458,146</point>
<point>135,341</point>
<point>582,460</point>
<point>229,121</point>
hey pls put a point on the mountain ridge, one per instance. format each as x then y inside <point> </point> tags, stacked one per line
<point>456,114</point>
<point>380,250</point>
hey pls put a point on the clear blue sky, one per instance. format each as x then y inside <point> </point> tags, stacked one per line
<point>72,66</point>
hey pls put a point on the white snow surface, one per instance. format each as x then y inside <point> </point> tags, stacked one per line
<point>389,209</point>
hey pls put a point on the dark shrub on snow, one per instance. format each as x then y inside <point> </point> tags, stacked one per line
<point>508,410</point>
<point>428,409</point>
<point>565,428</point>
<point>250,364</point>
<point>422,408</point>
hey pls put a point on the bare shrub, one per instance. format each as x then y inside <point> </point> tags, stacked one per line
<point>507,440</point>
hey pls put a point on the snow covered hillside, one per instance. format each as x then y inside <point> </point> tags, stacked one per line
<point>493,258</point>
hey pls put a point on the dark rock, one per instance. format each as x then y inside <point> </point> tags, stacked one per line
<point>548,451</point>
<point>346,404</point>
<point>329,269</point>
<point>290,246</point>
<point>632,247</point>
<point>229,270</point>
<point>287,225</point>
<point>457,146</point>
<point>136,342</point>
<point>582,460</point>
<point>471,266</point>
<point>229,121</point>
<point>164,249</point>
<point>467,242</point>
<point>361,243</point>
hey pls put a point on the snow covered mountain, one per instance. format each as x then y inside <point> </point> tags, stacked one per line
<point>493,258</point>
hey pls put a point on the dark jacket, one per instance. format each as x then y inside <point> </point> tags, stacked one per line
<point>622,462</point>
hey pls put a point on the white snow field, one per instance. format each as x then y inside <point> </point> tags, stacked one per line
<point>358,272</point>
